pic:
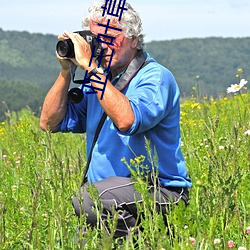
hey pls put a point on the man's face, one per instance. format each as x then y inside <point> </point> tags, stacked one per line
<point>123,47</point>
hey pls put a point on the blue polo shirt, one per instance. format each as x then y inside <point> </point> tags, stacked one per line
<point>154,97</point>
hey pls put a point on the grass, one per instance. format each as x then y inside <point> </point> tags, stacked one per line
<point>40,172</point>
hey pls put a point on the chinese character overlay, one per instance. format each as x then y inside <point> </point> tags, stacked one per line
<point>99,80</point>
<point>107,39</point>
<point>105,34</point>
<point>110,8</point>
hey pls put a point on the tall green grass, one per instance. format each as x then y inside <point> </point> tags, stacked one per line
<point>40,172</point>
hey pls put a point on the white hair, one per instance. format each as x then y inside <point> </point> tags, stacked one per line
<point>130,21</point>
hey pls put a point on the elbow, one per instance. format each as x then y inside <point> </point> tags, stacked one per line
<point>125,125</point>
<point>45,126</point>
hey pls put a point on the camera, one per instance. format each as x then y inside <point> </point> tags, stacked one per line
<point>65,48</point>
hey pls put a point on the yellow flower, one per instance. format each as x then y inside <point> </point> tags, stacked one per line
<point>195,105</point>
<point>132,162</point>
<point>240,70</point>
<point>138,160</point>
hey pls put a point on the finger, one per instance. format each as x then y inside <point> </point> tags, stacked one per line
<point>70,35</point>
<point>72,60</point>
<point>63,36</point>
<point>75,37</point>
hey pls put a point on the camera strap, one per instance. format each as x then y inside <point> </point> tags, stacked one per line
<point>136,64</point>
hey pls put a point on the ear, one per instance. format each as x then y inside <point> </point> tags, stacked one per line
<point>134,42</point>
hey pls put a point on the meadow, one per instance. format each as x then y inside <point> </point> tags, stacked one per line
<point>40,172</point>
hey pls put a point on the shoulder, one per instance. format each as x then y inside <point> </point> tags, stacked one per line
<point>156,72</point>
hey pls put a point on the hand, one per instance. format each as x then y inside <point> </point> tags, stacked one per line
<point>82,50</point>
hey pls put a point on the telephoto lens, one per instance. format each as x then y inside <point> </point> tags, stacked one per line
<point>65,48</point>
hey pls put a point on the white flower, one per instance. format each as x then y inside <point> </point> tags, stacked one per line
<point>237,87</point>
<point>242,248</point>
<point>247,133</point>
<point>192,240</point>
<point>217,241</point>
<point>22,210</point>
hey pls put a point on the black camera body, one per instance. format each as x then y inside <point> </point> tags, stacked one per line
<point>65,48</point>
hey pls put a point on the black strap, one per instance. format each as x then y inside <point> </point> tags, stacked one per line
<point>137,63</point>
<point>97,132</point>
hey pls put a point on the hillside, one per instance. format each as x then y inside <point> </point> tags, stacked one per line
<point>28,66</point>
<point>210,63</point>
<point>28,57</point>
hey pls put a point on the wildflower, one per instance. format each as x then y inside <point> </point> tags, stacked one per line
<point>240,70</point>
<point>192,240</point>
<point>14,188</point>
<point>242,248</point>
<point>132,162</point>
<point>237,87</point>
<point>198,182</point>
<point>216,241</point>
<point>45,216</point>
<point>195,106</point>
<point>247,133</point>
<point>221,147</point>
<point>248,230</point>
<point>230,244</point>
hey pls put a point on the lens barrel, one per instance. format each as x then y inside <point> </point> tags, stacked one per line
<point>65,48</point>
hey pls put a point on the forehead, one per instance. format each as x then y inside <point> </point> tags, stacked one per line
<point>97,29</point>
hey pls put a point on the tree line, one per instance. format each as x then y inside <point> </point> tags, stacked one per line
<point>202,67</point>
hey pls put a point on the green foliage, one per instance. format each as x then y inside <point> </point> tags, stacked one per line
<point>14,95</point>
<point>28,57</point>
<point>40,172</point>
<point>36,184</point>
<point>28,68</point>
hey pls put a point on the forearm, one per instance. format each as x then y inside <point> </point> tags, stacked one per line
<point>55,103</point>
<point>116,105</point>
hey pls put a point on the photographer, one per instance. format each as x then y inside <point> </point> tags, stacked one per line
<point>145,105</point>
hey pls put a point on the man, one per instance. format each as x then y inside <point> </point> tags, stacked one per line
<point>141,100</point>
